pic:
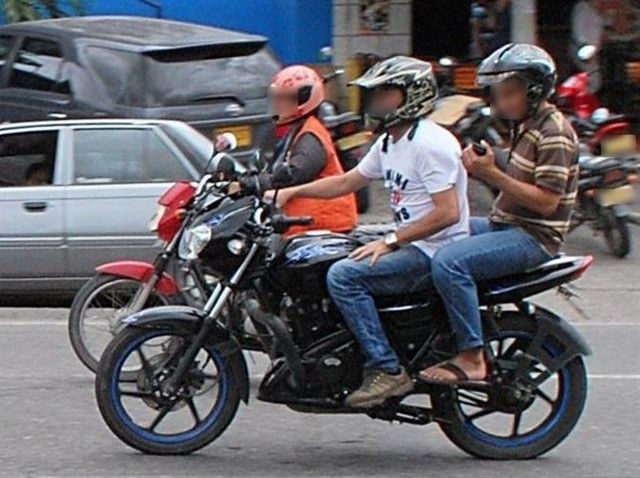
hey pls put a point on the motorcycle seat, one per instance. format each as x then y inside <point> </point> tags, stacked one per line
<point>545,276</point>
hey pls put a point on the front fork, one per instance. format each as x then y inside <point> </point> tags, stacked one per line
<point>212,309</point>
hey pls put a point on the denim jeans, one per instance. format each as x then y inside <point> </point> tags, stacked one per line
<point>352,285</point>
<point>492,251</point>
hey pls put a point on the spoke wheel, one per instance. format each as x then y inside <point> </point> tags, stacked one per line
<point>525,410</point>
<point>97,311</point>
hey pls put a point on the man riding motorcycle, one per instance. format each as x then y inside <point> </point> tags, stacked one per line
<point>531,215</point>
<point>420,164</point>
<point>306,146</point>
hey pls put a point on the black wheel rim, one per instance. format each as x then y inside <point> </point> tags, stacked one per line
<point>141,406</point>
<point>513,412</point>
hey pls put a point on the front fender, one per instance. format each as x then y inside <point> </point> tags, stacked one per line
<point>189,320</point>
<point>140,271</point>
<point>554,330</point>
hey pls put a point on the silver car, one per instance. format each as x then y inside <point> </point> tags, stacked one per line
<point>76,194</point>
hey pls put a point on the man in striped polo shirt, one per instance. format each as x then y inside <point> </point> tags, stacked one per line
<point>531,215</point>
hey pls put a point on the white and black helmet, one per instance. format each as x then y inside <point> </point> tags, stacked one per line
<point>414,77</point>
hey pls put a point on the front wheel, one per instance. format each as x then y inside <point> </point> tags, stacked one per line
<point>98,308</point>
<point>515,417</point>
<point>148,417</point>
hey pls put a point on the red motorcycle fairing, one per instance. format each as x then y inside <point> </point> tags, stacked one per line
<point>140,271</point>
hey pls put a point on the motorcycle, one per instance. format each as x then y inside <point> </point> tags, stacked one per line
<point>594,124</point>
<point>124,287</point>
<point>604,192</point>
<point>191,373</point>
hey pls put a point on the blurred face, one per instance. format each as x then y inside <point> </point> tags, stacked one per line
<point>386,99</point>
<point>509,98</point>
<point>283,103</point>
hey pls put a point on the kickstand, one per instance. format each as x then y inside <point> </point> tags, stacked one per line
<point>567,293</point>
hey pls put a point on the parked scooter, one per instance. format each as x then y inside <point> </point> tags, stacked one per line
<point>604,193</point>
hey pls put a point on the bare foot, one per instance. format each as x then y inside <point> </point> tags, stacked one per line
<point>468,365</point>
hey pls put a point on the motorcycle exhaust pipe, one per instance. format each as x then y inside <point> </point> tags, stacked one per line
<point>283,339</point>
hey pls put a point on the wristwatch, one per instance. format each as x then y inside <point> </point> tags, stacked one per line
<point>391,241</point>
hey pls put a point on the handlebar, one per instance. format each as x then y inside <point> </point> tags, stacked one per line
<point>281,222</point>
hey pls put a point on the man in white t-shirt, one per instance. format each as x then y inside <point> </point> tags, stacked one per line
<point>420,163</point>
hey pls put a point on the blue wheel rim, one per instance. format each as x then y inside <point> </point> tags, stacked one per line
<point>209,421</point>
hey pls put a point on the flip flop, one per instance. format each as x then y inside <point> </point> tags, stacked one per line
<point>460,375</point>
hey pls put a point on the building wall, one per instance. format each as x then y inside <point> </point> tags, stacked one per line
<point>348,40</point>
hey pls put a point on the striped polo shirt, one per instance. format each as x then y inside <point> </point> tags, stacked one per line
<point>544,153</point>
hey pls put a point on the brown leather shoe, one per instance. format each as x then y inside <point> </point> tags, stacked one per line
<point>378,386</point>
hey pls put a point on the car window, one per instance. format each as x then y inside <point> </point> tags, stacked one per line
<point>5,45</point>
<point>38,66</point>
<point>27,159</point>
<point>124,155</point>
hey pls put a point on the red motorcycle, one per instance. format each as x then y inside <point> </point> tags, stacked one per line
<point>125,287</point>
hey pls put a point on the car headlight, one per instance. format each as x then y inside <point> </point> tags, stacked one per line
<point>194,241</point>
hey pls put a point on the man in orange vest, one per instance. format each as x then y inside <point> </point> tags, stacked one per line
<point>306,146</point>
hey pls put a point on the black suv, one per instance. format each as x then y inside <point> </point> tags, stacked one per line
<point>130,67</point>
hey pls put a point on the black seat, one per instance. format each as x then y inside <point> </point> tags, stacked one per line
<point>495,290</point>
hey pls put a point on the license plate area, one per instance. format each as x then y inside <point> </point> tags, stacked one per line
<point>243,133</point>
<point>621,195</point>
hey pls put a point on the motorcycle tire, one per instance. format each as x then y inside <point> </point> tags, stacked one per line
<point>616,233</point>
<point>145,438</point>
<point>81,301</point>
<point>565,411</point>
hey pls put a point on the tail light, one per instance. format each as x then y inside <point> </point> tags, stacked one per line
<point>170,213</point>
<point>584,265</point>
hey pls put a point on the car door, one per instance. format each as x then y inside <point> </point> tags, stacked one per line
<point>31,209</point>
<point>118,174</point>
<point>36,86</point>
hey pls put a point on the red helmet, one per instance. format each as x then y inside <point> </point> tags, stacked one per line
<point>305,84</point>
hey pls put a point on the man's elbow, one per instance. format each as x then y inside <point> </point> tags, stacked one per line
<point>450,217</point>
<point>548,208</point>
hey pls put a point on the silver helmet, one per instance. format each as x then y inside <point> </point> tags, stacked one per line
<point>414,77</point>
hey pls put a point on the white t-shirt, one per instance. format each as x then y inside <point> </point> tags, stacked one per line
<point>412,170</point>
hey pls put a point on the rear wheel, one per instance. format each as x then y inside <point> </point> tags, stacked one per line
<point>515,417</point>
<point>97,310</point>
<point>143,413</point>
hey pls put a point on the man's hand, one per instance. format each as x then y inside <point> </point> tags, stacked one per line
<point>482,167</point>
<point>374,249</point>
<point>284,196</point>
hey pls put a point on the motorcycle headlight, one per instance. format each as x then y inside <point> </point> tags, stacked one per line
<point>194,241</point>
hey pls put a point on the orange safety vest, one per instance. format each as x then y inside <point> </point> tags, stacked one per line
<point>338,214</point>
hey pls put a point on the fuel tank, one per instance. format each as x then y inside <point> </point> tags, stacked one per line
<point>307,258</point>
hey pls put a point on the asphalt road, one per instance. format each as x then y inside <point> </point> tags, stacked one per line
<point>50,426</point>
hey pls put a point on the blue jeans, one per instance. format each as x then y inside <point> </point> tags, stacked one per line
<point>352,285</point>
<point>492,251</point>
